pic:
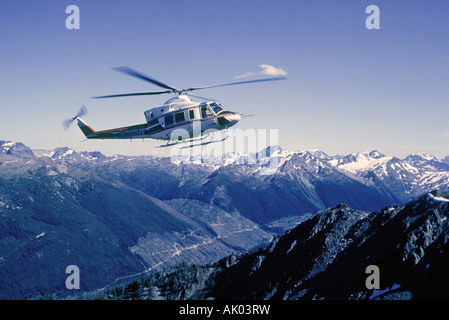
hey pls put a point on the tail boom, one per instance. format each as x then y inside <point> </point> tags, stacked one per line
<point>131,132</point>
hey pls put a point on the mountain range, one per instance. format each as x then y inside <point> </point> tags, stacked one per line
<point>119,217</point>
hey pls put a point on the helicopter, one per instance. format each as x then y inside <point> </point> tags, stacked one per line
<point>177,115</point>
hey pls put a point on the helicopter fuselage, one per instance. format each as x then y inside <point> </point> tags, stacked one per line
<point>178,119</point>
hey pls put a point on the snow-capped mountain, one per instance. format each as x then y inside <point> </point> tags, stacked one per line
<point>16,149</point>
<point>398,179</point>
<point>150,212</point>
<point>402,179</point>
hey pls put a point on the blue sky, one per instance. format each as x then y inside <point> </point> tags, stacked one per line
<point>349,89</point>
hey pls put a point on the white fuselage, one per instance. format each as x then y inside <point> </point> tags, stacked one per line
<point>180,118</point>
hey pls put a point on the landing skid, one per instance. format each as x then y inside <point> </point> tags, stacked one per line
<point>203,143</point>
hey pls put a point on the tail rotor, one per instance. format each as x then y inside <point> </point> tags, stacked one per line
<point>68,122</point>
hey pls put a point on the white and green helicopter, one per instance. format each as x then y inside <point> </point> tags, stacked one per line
<point>179,113</point>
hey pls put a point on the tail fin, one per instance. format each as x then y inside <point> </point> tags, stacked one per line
<point>85,128</point>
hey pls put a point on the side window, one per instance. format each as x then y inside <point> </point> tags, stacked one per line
<point>168,120</point>
<point>180,117</point>
<point>191,114</point>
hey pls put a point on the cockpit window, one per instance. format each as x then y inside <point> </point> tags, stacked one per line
<point>205,112</point>
<point>216,107</point>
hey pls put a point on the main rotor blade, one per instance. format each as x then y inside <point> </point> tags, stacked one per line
<point>141,76</point>
<point>132,94</point>
<point>234,83</point>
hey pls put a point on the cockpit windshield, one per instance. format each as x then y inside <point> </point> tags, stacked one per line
<point>216,107</point>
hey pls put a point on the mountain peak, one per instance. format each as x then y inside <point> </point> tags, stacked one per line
<point>375,154</point>
<point>318,153</point>
<point>16,149</point>
<point>270,151</point>
<point>62,152</point>
<point>413,157</point>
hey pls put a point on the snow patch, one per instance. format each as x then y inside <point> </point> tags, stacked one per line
<point>364,163</point>
<point>68,152</point>
<point>431,197</point>
<point>292,246</point>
